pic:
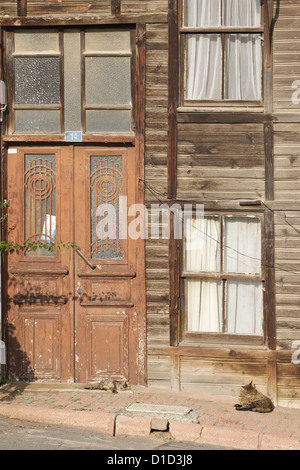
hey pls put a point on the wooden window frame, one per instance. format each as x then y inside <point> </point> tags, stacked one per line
<point>178,336</point>
<point>106,137</point>
<point>263,30</point>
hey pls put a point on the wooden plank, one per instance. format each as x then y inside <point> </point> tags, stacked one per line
<point>223,117</point>
<point>172,97</point>
<point>81,19</point>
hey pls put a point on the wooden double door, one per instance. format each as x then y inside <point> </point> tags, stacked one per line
<point>73,313</point>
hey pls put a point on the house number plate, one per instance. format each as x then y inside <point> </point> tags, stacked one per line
<point>73,136</point>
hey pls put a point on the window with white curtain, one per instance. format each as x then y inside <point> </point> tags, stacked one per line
<point>222,275</point>
<point>222,42</point>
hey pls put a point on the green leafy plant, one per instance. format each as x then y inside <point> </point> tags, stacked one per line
<point>10,247</point>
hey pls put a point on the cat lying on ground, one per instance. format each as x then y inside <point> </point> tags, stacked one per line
<point>252,400</point>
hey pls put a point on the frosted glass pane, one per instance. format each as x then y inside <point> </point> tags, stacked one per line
<point>244,307</point>
<point>33,121</point>
<point>108,121</point>
<point>36,41</point>
<point>37,80</point>
<point>72,74</point>
<point>111,40</point>
<point>108,80</point>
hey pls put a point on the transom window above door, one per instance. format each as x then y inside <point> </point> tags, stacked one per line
<point>70,80</point>
<point>221,51</point>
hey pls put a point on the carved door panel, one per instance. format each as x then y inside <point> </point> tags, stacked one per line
<point>39,286</point>
<point>105,323</point>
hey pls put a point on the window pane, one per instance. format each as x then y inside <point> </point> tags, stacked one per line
<point>40,200</point>
<point>106,220</point>
<point>243,67</point>
<point>203,305</point>
<point>244,307</point>
<point>108,80</point>
<point>36,41</point>
<point>202,244</point>
<point>242,245</point>
<point>202,13</point>
<point>203,66</point>
<point>108,121</point>
<point>112,40</point>
<point>37,120</point>
<point>37,80</point>
<point>241,12</point>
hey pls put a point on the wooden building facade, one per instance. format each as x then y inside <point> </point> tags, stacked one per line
<point>178,104</point>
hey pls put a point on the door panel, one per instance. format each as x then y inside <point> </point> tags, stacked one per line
<point>103,308</point>
<point>73,314</point>
<point>39,293</point>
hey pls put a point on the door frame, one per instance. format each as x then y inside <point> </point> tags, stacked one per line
<point>138,142</point>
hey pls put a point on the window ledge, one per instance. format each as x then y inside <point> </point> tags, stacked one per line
<point>220,109</point>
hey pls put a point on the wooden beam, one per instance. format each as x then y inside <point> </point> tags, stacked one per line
<point>269,297</point>
<point>172,98</point>
<point>139,97</point>
<point>22,7</point>
<point>269,160</point>
<point>174,287</point>
<point>116,7</point>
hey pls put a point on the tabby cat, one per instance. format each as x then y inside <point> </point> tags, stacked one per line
<point>109,385</point>
<point>251,399</point>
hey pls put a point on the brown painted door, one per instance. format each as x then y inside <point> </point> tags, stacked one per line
<point>74,314</point>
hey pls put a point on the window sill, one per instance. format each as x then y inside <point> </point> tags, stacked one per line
<point>221,109</point>
<point>200,339</point>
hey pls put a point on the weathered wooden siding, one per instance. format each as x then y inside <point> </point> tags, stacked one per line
<point>216,161</point>
<point>286,53</point>
<point>220,161</point>
<point>103,7</point>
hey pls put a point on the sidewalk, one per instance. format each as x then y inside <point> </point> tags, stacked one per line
<point>211,420</point>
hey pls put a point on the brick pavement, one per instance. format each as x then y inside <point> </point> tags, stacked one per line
<point>218,422</point>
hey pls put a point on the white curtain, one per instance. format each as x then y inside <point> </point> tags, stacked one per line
<point>244,307</point>
<point>204,51</point>
<point>241,255</point>
<point>242,245</point>
<point>202,255</point>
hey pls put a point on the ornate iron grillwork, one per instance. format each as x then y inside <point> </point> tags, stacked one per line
<point>40,197</point>
<point>106,219</point>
